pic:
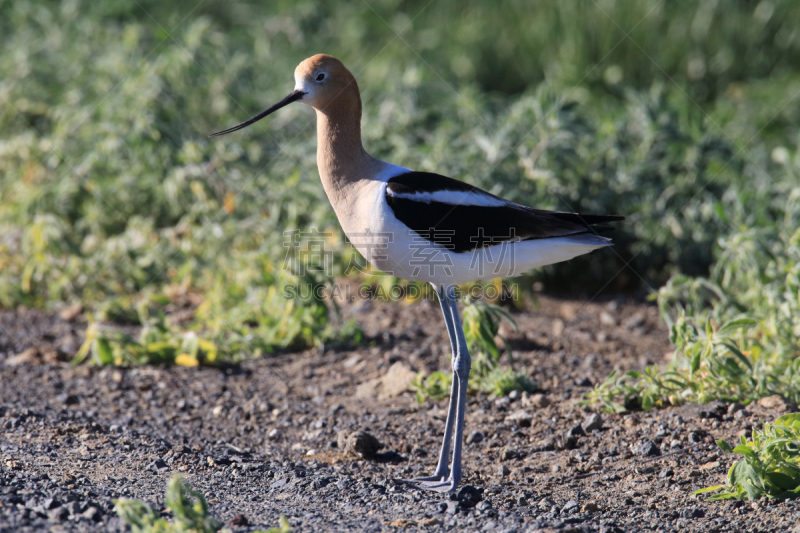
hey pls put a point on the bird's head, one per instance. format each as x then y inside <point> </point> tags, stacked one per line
<point>321,81</point>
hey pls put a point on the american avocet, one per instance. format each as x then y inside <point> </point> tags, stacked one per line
<point>426,227</point>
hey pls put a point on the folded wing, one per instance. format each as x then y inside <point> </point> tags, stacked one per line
<point>461,217</point>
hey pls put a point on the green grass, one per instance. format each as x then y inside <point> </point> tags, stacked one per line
<point>113,197</point>
<point>736,333</point>
<point>189,513</point>
<point>770,465</point>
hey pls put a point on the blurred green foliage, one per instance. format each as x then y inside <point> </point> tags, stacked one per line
<point>736,333</point>
<point>679,115</point>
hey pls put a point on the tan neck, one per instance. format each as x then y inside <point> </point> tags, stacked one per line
<point>340,156</point>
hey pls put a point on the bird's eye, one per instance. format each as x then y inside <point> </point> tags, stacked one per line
<point>320,76</point>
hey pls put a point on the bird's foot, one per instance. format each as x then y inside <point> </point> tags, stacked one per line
<point>444,483</point>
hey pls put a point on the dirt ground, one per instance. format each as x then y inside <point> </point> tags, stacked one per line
<point>260,439</point>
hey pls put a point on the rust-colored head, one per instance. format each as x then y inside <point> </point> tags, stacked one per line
<point>323,79</point>
<point>322,82</point>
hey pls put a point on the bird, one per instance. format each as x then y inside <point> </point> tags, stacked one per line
<point>426,227</point>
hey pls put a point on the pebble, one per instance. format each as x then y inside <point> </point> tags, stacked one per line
<point>476,437</point>
<point>535,400</point>
<point>695,437</point>
<point>159,466</point>
<point>634,321</point>
<point>546,504</point>
<point>50,503</point>
<point>576,431</point>
<point>692,513</point>
<point>734,407</point>
<point>630,421</point>
<point>93,513</point>
<point>468,496</point>
<point>358,442</point>
<point>569,442</point>
<point>649,449</point>
<point>239,520</point>
<point>521,418</point>
<point>777,403</point>
<point>569,507</point>
<point>590,507</point>
<point>592,422</point>
<point>58,514</point>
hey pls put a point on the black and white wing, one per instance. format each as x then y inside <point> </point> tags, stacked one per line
<point>461,217</point>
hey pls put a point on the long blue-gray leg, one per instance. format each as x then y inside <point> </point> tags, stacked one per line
<point>447,479</point>
<point>442,471</point>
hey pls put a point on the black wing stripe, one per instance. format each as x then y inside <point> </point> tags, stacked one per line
<point>415,182</point>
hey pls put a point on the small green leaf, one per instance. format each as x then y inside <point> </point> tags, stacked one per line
<point>738,323</point>
<point>724,446</point>
<point>747,451</point>
<point>103,352</point>
<point>709,489</point>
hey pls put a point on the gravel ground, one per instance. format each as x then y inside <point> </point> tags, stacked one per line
<point>263,438</point>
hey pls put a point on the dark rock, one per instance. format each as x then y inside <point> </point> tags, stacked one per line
<point>159,466</point>
<point>695,437</point>
<point>74,508</point>
<point>358,442</point>
<point>58,514</point>
<point>51,503</point>
<point>509,454</point>
<point>278,484</point>
<point>570,507</point>
<point>68,399</point>
<point>239,520</point>
<point>576,431</point>
<point>521,418</point>
<point>468,496</point>
<point>93,513</point>
<point>649,449</point>
<point>734,407</point>
<point>592,422</point>
<point>569,442</point>
<point>504,471</point>
<point>692,513</point>
<point>666,472</point>
<point>476,437</point>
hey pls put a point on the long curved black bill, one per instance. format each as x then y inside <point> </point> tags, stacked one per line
<point>292,97</point>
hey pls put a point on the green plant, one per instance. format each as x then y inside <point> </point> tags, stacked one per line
<point>189,510</point>
<point>736,333</point>
<point>481,323</point>
<point>770,465</point>
<point>284,527</point>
